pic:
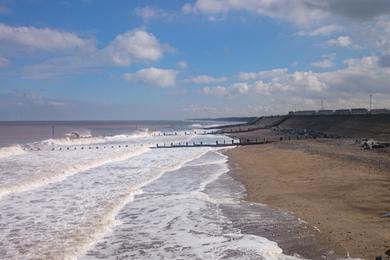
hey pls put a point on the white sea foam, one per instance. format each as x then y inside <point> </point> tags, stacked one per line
<point>47,176</point>
<point>133,203</point>
<point>95,140</point>
<point>110,218</point>
<point>80,209</point>
<point>175,219</point>
<point>11,151</point>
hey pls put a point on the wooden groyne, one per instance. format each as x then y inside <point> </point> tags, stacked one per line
<point>223,143</point>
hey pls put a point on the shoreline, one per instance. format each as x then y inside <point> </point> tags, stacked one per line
<point>335,187</point>
<point>294,236</point>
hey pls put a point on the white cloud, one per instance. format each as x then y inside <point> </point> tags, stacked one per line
<point>360,76</point>
<point>298,11</point>
<point>274,83</point>
<point>367,21</point>
<point>153,76</point>
<point>342,41</point>
<point>182,65</point>
<point>263,74</point>
<point>43,38</point>
<point>301,12</point>
<point>322,31</point>
<point>136,45</point>
<point>215,91</point>
<point>363,75</point>
<point>151,12</point>
<point>126,49</point>
<point>205,79</point>
<point>326,62</point>
<point>3,62</point>
<point>241,88</point>
<point>308,80</point>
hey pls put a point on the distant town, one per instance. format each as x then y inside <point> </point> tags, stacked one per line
<point>353,111</point>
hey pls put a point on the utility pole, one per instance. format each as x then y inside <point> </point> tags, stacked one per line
<point>370,102</point>
<point>322,104</point>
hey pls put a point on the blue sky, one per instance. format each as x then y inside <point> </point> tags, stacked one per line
<point>96,59</point>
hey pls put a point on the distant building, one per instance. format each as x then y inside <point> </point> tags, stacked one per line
<point>325,112</point>
<point>382,111</point>
<point>359,111</point>
<point>305,113</point>
<point>342,112</point>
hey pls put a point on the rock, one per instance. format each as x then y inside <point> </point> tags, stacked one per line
<point>386,214</point>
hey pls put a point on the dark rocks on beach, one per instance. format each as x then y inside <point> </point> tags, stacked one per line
<point>305,133</point>
<point>368,144</point>
<point>386,214</point>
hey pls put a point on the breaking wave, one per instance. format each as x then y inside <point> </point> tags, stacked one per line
<point>54,176</point>
<point>73,139</point>
<point>11,151</point>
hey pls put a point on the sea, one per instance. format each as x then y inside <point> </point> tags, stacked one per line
<point>99,190</point>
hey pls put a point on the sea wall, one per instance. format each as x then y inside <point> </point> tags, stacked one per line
<point>356,126</point>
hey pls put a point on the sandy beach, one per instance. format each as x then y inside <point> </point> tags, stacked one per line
<point>332,185</point>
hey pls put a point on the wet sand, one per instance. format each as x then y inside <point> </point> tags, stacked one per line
<point>333,185</point>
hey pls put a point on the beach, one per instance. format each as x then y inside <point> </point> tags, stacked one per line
<point>332,184</point>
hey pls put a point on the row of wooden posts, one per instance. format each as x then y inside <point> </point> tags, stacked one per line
<point>241,141</point>
<point>83,147</point>
<point>216,144</point>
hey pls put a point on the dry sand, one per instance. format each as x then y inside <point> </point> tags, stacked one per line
<point>331,184</point>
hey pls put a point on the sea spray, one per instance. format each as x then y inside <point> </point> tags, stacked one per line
<point>109,220</point>
<point>12,150</point>
<point>61,174</point>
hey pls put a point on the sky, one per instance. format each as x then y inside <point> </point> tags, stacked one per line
<point>171,59</point>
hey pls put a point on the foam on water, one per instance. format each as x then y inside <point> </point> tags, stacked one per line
<point>175,219</point>
<point>133,203</point>
<point>43,167</point>
<point>12,150</point>
<point>16,176</point>
<point>95,140</point>
<point>75,212</point>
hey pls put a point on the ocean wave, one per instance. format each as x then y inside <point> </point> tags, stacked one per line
<point>53,177</point>
<point>85,140</point>
<point>110,220</point>
<point>11,151</point>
